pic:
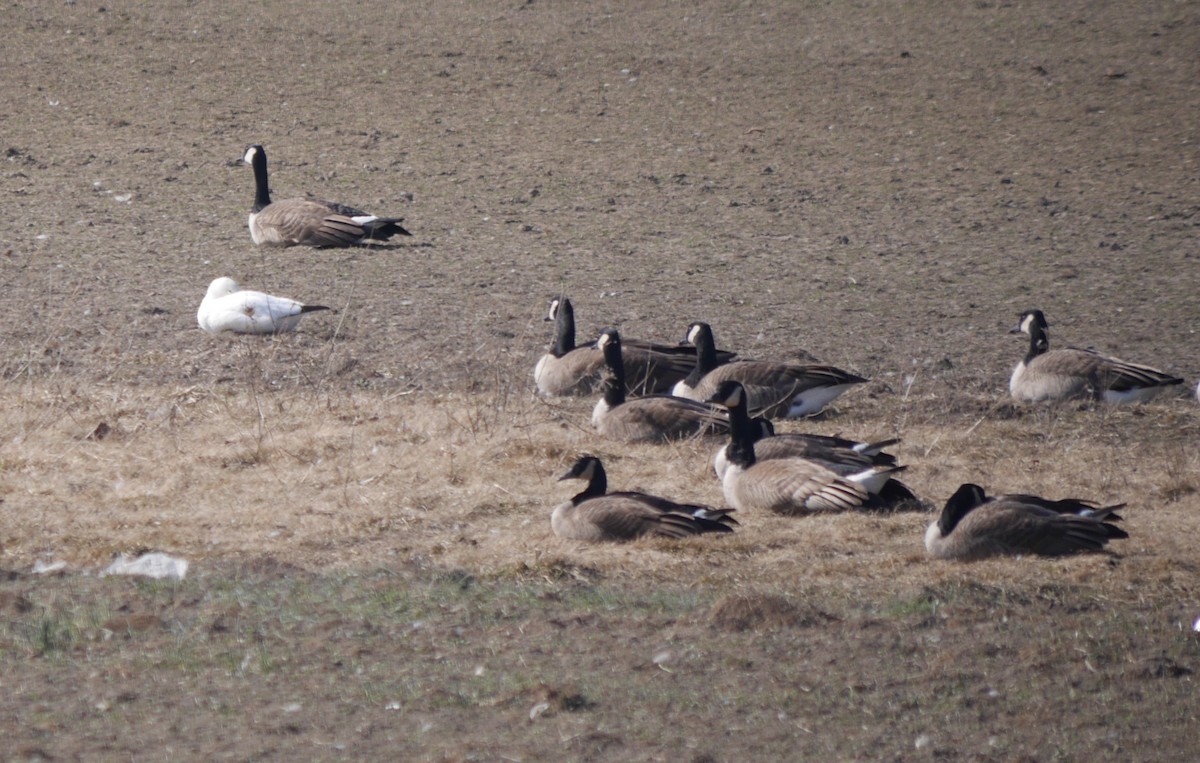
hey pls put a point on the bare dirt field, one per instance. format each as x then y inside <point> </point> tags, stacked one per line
<point>364,503</point>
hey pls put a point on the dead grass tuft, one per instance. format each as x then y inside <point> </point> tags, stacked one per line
<point>13,603</point>
<point>759,611</point>
<point>1162,666</point>
<point>594,745</point>
<point>544,700</point>
<point>556,568</point>
<point>125,624</point>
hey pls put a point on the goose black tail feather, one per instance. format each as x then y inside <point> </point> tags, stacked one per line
<point>384,228</point>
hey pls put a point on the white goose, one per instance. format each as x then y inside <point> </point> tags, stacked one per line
<point>226,307</point>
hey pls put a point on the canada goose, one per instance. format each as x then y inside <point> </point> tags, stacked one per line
<point>596,515</point>
<point>1047,374</point>
<point>568,369</point>
<point>650,418</point>
<point>769,445</point>
<point>226,307</point>
<point>775,390</point>
<point>309,221</point>
<point>792,485</point>
<point>973,526</point>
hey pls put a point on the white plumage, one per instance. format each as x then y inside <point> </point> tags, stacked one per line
<point>227,307</point>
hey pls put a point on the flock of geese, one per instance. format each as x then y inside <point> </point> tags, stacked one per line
<point>656,392</point>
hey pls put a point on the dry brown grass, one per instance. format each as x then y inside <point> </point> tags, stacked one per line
<point>365,502</point>
<point>339,479</point>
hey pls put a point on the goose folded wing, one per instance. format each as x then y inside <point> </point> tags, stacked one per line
<point>1122,376</point>
<point>310,223</point>
<point>673,413</point>
<point>793,446</point>
<point>798,485</point>
<point>1025,528</point>
<point>627,516</point>
<point>695,510</point>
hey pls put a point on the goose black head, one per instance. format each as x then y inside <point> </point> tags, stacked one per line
<point>609,342</point>
<point>1029,322</point>
<point>253,155</point>
<point>590,470</point>
<point>968,497</point>
<point>1033,323</point>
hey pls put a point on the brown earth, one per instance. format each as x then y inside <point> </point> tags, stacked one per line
<point>364,502</point>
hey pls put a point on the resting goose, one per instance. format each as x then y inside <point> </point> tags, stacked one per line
<point>226,307</point>
<point>650,418</point>
<point>568,369</point>
<point>597,515</point>
<point>769,445</point>
<point>775,390</point>
<point>309,221</point>
<point>1047,374</point>
<point>973,526</point>
<point>792,486</point>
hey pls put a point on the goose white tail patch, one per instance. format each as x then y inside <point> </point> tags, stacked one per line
<point>1136,395</point>
<point>602,408</point>
<point>813,400</point>
<point>871,480</point>
<point>932,535</point>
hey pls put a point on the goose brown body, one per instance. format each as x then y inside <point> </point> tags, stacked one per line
<point>653,418</point>
<point>773,390</point>
<point>570,369</point>
<point>596,515</point>
<point>973,526</point>
<point>790,485</point>
<point>309,221</point>
<point>821,448</point>
<point>1046,374</point>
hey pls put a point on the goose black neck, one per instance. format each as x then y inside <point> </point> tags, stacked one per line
<point>614,380</point>
<point>742,435</point>
<point>596,487</point>
<point>1039,342</point>
<point>262,192</point>
<point>706,355</point>
<point>564,329</point>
